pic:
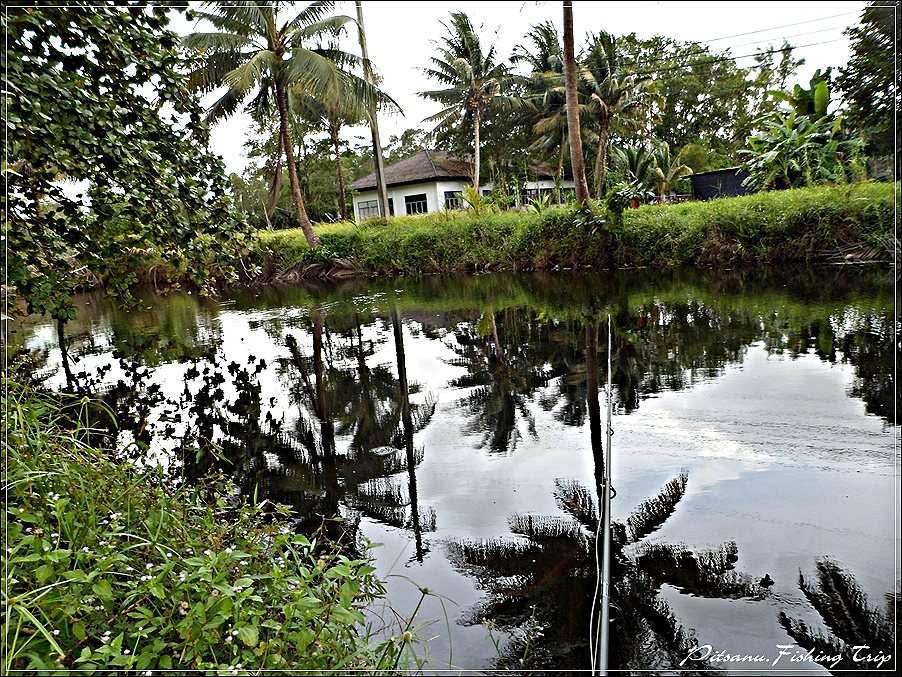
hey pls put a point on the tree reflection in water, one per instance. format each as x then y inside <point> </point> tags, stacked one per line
<point>542,585</point>
<point>853,622</point>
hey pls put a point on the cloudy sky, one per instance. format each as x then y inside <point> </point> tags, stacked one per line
<point>401,38</point>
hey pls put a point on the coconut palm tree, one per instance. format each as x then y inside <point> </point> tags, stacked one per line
<point>668,171</point>
<point>474,82</point>
<point>257,54</point>
<point>617,101</point>
<point>545,87</point>
<point>378,158</point>
<point>574,130</point>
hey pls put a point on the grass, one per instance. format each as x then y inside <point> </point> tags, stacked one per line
<point>807,224</point>
<point>107,568</point>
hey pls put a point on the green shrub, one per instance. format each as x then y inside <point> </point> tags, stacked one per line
<point>790,225</point>
<point>108,568</point>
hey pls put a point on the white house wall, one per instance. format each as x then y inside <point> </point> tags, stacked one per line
<point>435,193</point>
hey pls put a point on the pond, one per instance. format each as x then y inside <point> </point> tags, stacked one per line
<point>453,421</point>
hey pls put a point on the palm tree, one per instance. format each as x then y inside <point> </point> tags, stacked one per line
<point>668,171</point>
<point>378,159</point>
<point>616,101</point>
<point>254,51</point>
<point>546,88</point>
<point>474,82</point>
<point>574,130</point>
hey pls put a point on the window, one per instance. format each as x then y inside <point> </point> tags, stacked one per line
<point>367,208</point>
<point>452,199</point>
<point>416,204</point>
<point>391,207</point>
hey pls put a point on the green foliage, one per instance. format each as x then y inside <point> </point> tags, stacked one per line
<point>476,202</point>
<point>869,81</point>
<point>705,98</point>
<point>792,225</point>
<point>792,151</point>
<point>96,96</point>
<point>617,99</point>
<point>474,81</point>
<point>811,101</point>
<point>282,68</point>
<point>800,224</point>
<point>108,568</point>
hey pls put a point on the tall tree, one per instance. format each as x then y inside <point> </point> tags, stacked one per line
<point>870,82</point>
<point>574,130</point>
<point>378,159</point>
<point>255,51</point>
<point>474,81</point>
<point>617,101</point>
<point>704,95</point>
<point>94,94</point>
<point>544,86</point>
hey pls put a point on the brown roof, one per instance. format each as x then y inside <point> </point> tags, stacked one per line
<point>430,165</point>
<point>427,165</point>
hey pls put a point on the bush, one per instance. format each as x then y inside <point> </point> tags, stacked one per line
<point>800,224</point>
<point>108,568</point>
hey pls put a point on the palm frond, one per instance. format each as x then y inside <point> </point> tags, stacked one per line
<point>310,15</point>
<point>651,514</point>
<point>249,74</point>
<point>223,107</point>
<point>329,27</point>
<point>210,74</point>
<point>247,18</point>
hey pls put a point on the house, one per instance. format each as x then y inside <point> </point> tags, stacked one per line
<point>431,181</point>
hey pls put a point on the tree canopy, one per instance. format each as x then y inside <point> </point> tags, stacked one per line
<point>870,82</point>
<point>107,159</point>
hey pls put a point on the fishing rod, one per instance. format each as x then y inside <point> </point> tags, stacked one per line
<point>599,640</point>
<point>606,544</point>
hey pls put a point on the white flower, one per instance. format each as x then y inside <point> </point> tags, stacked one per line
<point>56,632</point>
<point>228,551</point>
<point>149,566</point>
<point>126,651</point>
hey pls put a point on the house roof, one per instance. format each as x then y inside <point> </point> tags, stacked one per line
<point>427,165</point>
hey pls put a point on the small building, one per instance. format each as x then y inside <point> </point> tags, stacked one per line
<point>431,181</point>
<point>719,183</point>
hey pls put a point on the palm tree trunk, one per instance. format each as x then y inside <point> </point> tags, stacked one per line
<point>476,120</point>
<point>275,184</point>
<point>381,187</point>
<point>334,128</point>
<point>559,181</point>
<point>303,220</point>
<point>601,161</point>
<point>574,130</point>
<point>592,404</point>
<point>408,433</point>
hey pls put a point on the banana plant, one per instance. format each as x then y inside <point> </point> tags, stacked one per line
<point>811,102</point>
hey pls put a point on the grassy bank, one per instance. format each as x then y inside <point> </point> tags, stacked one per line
<point>107,568</point>
<point>809,224</point>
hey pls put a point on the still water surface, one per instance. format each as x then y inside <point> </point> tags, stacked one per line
<point>449,419</point>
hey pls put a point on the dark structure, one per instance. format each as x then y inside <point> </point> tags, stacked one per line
<point>719,183</point>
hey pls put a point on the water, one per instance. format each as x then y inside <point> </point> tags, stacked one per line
<point>772,391</point>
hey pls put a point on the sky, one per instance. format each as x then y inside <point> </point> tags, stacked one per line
<point>401,38</point>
